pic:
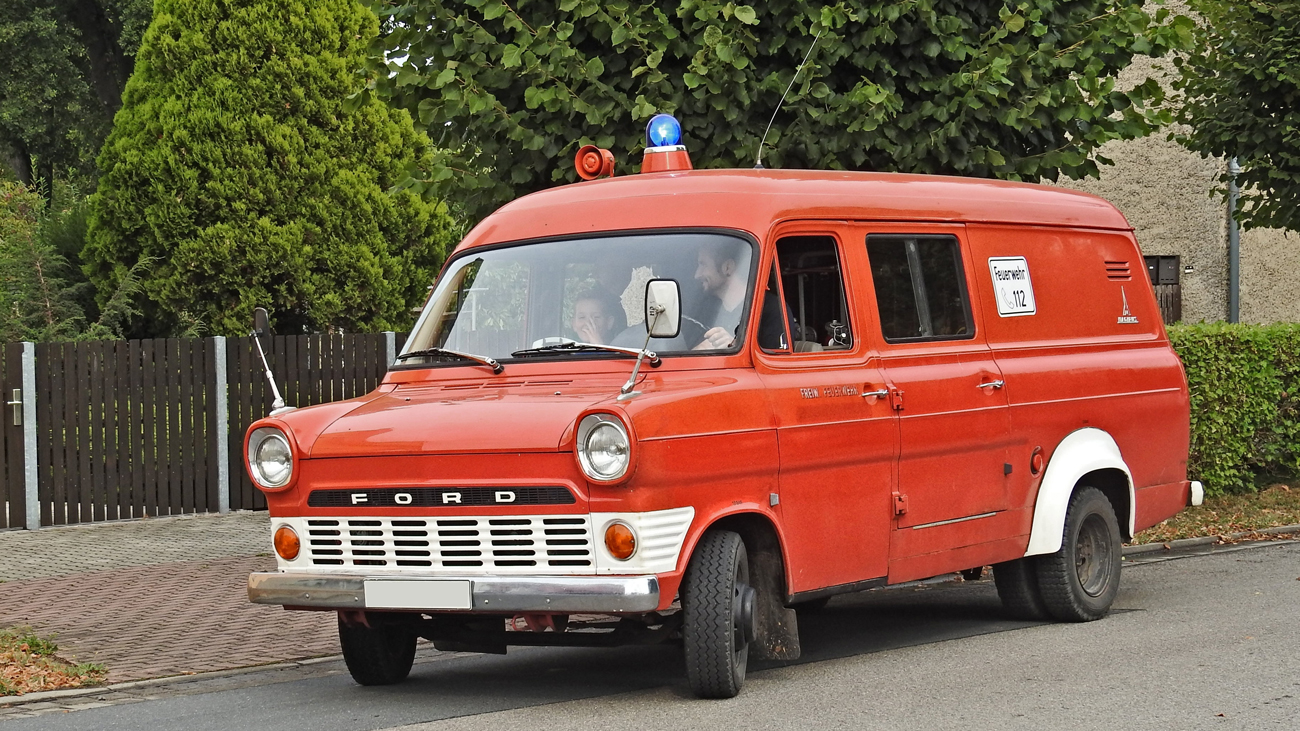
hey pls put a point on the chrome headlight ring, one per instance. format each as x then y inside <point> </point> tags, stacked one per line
<point>270,457</point>
<point>604,448</point>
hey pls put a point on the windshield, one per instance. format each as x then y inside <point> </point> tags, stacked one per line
<point>499,302</point>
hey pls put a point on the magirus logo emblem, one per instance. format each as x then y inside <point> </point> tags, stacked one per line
<point>1128,318</point>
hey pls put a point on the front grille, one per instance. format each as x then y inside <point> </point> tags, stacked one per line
<point>1118,271</point>
<point>461,544</point>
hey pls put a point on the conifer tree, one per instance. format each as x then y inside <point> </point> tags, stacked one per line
<point>234,164</point>
<point>35,303</point>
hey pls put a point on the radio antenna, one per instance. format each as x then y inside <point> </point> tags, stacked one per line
<point>758,162</point>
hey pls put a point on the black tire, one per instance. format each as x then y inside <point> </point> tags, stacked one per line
<point>379,654</point>
<point>717,602</point>
<point>1079,582</point>
<point>1017,583</point>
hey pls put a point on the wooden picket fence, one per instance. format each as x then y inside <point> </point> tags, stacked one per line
<point>128,429</point>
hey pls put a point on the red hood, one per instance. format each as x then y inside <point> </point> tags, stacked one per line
<point>463,418</point>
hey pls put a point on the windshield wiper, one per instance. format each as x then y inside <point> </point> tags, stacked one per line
<point>577,347</point>
<point>480,359</point>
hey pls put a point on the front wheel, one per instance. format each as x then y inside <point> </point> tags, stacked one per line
<point>381,654</point>
<point>718,604</point>
<point>1079,582</point>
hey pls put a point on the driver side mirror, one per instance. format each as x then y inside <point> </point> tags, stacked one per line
<point>261,323</point>
<point>663,308</point>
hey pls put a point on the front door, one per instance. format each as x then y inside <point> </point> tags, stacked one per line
<point>838,443</point>
<point>953,416</point>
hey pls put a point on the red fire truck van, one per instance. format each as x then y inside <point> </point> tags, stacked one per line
<point>682,405</point>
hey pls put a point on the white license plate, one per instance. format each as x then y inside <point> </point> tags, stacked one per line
<point>418,595</point>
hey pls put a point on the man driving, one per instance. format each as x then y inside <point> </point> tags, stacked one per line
<point>721,268</point>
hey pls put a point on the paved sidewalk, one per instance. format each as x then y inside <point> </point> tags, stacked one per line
<point>162,596</point>
<point>76,549</point>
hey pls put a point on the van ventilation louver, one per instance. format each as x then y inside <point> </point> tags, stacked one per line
<point>1118,271</point>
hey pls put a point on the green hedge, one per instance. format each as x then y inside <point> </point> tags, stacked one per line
<point>1245,389</point>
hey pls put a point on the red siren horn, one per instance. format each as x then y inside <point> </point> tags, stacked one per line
<point>593,162</point>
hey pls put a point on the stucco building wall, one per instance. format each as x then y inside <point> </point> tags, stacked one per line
<point>1270,276</point>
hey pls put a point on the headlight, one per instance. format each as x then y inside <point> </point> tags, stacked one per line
<point>270,458</point>
<point>603,447</point>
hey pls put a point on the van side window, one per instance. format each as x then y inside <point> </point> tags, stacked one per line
<point>816,312</point>
<point>920,287</point>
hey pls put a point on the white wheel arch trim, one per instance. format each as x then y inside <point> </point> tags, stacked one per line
<point>1078,454</point>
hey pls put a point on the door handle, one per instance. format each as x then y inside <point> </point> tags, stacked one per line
<point>882,393</point>
<point>992,384</point>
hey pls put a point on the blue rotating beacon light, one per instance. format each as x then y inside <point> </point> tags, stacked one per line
<point>663,132</point>
<point>664,151</point>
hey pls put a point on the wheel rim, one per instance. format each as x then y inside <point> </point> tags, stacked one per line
<point>1092,556</point>
<point>739,644</point>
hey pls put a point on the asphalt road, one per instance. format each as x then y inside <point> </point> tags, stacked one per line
<point>1202,642</point>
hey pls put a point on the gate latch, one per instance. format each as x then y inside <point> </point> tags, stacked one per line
<point>17,403</point>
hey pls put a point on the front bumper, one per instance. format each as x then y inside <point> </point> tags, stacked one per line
<point>550,594</point>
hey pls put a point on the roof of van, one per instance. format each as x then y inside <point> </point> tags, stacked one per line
<point>754,200</point>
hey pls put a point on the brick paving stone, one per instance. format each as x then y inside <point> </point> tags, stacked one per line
<point>65,550</point>
<point>166,619</point>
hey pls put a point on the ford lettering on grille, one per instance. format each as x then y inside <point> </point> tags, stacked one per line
<point>439,497</point>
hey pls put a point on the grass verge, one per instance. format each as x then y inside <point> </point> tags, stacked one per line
<point>1274,506</point>
<point>28,664</point>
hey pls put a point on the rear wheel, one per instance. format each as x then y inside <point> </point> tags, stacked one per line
<point>718,604</point>
<point>381,654</point>
<point>1017,583</point>
<point>1080,581</point>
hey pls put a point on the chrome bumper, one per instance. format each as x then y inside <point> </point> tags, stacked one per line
<point>560,594</point>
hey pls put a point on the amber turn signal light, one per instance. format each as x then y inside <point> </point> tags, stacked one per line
<point>620,540</point>
<point>286,543</point>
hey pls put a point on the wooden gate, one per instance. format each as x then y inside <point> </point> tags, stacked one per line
<point>124,429</point>
<point>13,481</point>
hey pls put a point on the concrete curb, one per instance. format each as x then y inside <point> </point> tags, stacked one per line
<point>57,695</point>
<point>1206,540</point>
<point>48,695</point>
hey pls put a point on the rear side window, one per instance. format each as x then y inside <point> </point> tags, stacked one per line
<point>920,287</point>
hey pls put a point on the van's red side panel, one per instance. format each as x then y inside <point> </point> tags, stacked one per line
<point>1080,360</point>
